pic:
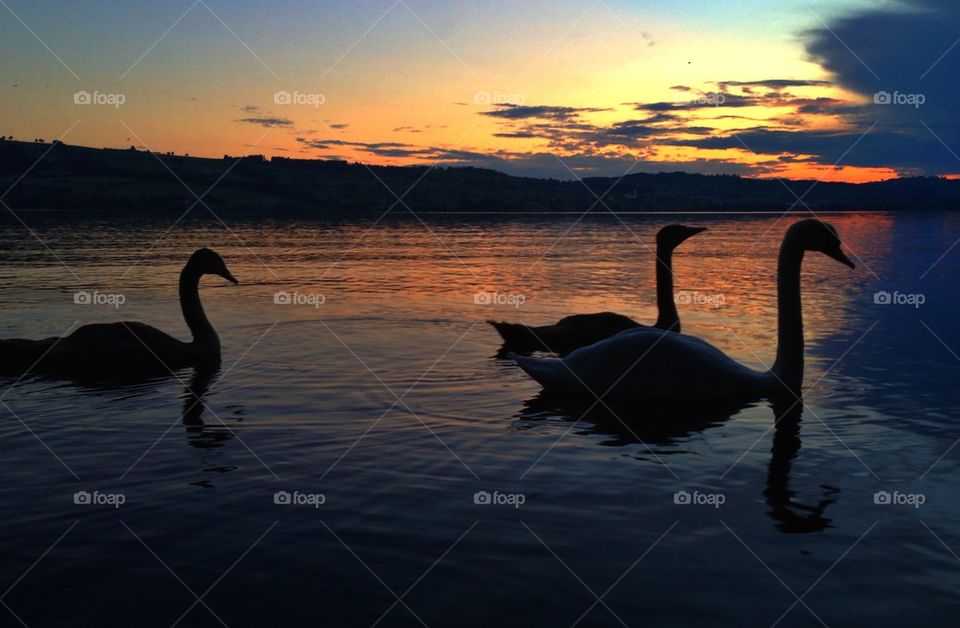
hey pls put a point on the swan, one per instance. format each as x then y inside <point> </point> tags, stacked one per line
<point>580,330</point>
<point>644,364</point>
<point>127,347</point>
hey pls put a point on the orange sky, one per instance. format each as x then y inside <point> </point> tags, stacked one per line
<point>421,83</point>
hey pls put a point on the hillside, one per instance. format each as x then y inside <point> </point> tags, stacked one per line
<point>74,177</point>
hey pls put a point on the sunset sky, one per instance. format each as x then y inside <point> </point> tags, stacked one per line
<point>542,88</point>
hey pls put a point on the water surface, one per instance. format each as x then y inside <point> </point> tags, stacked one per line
<point>389,399</point>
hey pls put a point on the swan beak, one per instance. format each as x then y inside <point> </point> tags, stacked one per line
<point>843,259</point>
<point>692,231</point>
<point>226,275</point>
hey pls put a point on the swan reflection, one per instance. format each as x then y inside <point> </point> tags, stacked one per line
<point>200,433</point>
<point>661,426</point>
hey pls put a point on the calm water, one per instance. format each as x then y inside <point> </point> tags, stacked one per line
<point>307,401</point>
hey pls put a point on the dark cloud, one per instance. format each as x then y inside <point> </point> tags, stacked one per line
<point>827,147</point>
<point>904,50</point>
<point>518,112</point>
<point>528,163</point>
<point>267,121</point>
<point>517,134</point>
<point>774,84</point>
<point>706,100</point>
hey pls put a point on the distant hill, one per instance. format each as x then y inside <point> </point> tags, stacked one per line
<point>75,177</point>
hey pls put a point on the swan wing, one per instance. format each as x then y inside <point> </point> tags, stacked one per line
<point>649,363</point>
<point>608,321</point>
<point>121,345</point>
<point>569,333</point>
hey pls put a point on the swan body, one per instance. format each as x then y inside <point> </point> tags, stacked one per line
<point>126,347</point>
<point>647,362</point>
<point>644,364</point>
<point>569,333</point>
<point>580,330</point>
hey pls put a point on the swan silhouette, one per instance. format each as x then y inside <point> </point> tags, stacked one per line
<point>642,364</point>
<point>126,348</point>
<point>580,330</point>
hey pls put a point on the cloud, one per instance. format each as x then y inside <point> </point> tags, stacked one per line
<point>552,112</point>
<point>267,121</point>
<point>517,134</point>
<point>905,50</point>
<point>774,84</point>
<point>825,146</point>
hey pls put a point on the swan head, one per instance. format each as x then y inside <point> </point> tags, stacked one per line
<point>816,235</point>
<point>672,236</point>
<point>208,262</point>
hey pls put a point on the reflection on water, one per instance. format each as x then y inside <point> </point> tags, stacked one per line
<point>202,434</point>
<point>389,399</point>
<point>652,427</point>
<point>792,516</point>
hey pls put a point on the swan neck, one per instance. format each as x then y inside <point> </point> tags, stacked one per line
<point>788,366</point>
<point>667,317</point>
<point>193,314</point>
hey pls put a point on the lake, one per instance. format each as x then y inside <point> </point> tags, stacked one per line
<point>365,457</point>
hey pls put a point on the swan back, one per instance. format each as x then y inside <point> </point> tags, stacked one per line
<point>648,363</point>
